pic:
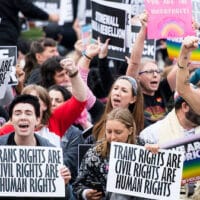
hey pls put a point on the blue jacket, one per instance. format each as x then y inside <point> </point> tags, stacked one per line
<point>69,143</point>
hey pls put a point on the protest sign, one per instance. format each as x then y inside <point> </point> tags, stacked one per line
<point>135,171</point>
<point>66,12</point>
<point>61,7</point>
<point>31,171</point>
<point>168,19</point>
<point>88,13</point>
<point>196,10</point>
<point>173,49</point>
<point>137,6</point>
<point>86,36</point>
<point>196,15</point>
<point>84,9</point>
<point>112,20</point>
<point>191,147</point>
<point>5,70</point>
<point>82,149</point>
<point>8,52</point>
<point>108,22</point>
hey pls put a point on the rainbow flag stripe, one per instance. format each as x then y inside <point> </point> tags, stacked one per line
<point>191,168</point>
<point>173,49</point>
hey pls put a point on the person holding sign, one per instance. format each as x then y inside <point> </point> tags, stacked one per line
<point>24,113</point>
<point>9,20</point>
<point>91,181</point>
<point>189,93</point>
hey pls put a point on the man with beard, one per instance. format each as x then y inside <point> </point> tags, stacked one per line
<point>181,121</point>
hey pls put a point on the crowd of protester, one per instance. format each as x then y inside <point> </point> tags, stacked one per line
<point>79,100</point>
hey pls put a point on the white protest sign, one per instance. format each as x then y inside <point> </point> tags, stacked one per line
<point>195,10</point>
<point>7,52</point>
<point>63,8</point>
<point>84,12</point>
<point>66,11</point>
<point>5,70</point>
<point>31,171</point>
<point>135,171</point>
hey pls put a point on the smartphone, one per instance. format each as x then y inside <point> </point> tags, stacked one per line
<point>97,186</point>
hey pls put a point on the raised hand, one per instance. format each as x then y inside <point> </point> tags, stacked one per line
<point>189,44</point>
<point>143,17</point>
<point>79,46</point>
<point>103,48</point>
<point>92,50</point>
<point>69,65</point>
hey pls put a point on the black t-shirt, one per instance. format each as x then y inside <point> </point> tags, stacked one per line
<point>155,107</point>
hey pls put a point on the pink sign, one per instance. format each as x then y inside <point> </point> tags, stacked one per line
<point>169,18</point>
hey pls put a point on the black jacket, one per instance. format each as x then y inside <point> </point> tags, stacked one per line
<point>9,21</point>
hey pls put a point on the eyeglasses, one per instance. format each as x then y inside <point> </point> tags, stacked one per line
<point>157,71</point>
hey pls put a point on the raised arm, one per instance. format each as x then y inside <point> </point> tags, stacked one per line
<point>137,49</point>
<point>92,50</point>
<point>84,66</point>
<point>183,86</point>
<point>171,78</point>
<point>78,85</point>
<point>106,76</point>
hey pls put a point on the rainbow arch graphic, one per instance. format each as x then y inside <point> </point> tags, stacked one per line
<point>170,28</point>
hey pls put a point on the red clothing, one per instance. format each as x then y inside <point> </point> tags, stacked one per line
<point>65,115</point>
<point>61,118</point>
<point>8,128</point>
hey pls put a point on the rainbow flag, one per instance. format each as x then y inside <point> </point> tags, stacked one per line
<point>191,168</point>
<point>173,49</point>
<point>191,146</point>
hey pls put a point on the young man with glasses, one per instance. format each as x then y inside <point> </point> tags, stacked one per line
<point>156,92</point>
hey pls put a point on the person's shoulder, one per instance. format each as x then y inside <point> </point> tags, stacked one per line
<point>35,76</point>
<point>4,138</point>
<point>151,131</point>
<point>43,141</point>
<point>73,131</point>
